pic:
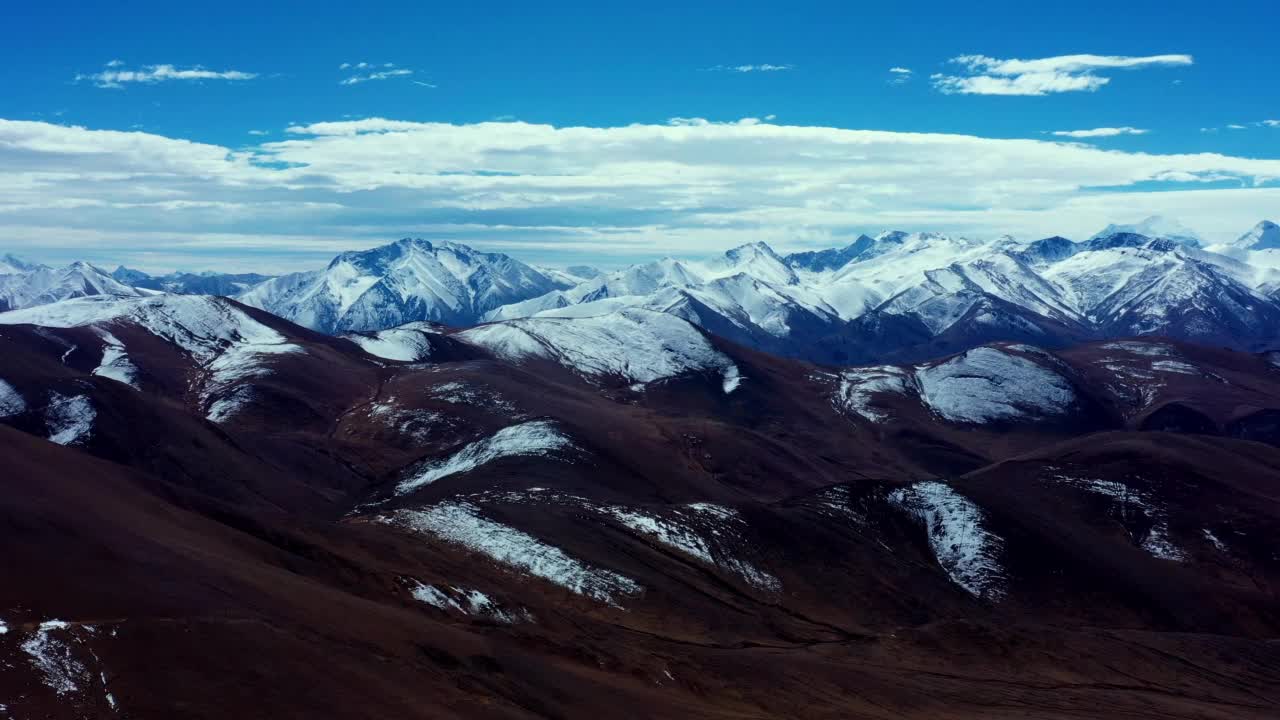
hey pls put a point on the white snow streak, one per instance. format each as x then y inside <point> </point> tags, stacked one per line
<point>468,602</point>
<point>536,438</point>
<point>406,344</point>
<point>701,531</point>
<point>964,548</point>
<point>859,385</point>
<point>115,363</point>
<point>461,523</point>
<point>69,419</point>
<point>1134,504</point>
<point>11,403</point>
<point>53,657</point>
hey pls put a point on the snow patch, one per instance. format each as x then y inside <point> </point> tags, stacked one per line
<point>732,378</point>
<point>700,530</point>
<point>406,344</point>
<point>468,602</point>
<point>1158,544</point>
<point>414,424</point>
<point>638,346</point>
<point>115,364</point>
<point>462,524</point>
<point>459,393</point>
<point>986,384</point>
<point>858,386</point>
<point>54,657</point>
<point>1175,366</point>
<point>967,551</point>
<point>1217,544</point>
<point>229,405</point>
<point>69,419</point>
<point>537,438</point>
<point>1134,507</point>
<point>11,403</point>
<point>1141,348</point>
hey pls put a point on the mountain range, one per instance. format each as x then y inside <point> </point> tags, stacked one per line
<point>903,296</point>
<point>211,511</point>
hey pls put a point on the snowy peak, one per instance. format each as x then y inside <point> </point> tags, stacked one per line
<point>1156,226</point>
<point>1049,250</point>
<point>129,276</point>
<point>895,237</point>
<point>1264,236</point>
<point>1129,240</point>
<point>830,259</point>
<point>48,285</point>
<point>757,260</point>
<point>11,264</point>
<point>408,280</point>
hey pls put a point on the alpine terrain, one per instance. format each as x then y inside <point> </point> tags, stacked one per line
<point>916,476</point>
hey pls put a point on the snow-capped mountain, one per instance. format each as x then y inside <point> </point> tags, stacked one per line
<point>1254,245</point>
<point>1156,226</point>
<point>405,281</point>
<point>916,295</point>
<point>1264,236</point>
<point>897,295</point>
<point>829,259</point>
<point>11,264</point>
<point>749,295</point>
<point>185,283</point>
<point>38,285</point>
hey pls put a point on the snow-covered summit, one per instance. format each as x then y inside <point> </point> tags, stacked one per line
<point>10,264</point>
<point>756,260</point>
<point>1156,226</point>
<point>39,285</point>
<point>1263,236</point>
<point>633,344</point>
<point>408,280</point>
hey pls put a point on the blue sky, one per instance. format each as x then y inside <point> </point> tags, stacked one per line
<point>1169,79</point>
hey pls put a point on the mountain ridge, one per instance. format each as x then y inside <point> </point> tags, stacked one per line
<point>805,304</point>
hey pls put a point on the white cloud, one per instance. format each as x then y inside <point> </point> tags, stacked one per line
<point>765,67</point>
<point>1100,132</point>
<point>1064,73</point>
<point>1243,126</point>
<point>899,75</point>
<point>389,71</point>
<point>259,132</point>
<point>114,77</point>
<point>687,186</point>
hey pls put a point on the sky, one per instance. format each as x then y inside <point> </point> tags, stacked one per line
<point>270,136</point>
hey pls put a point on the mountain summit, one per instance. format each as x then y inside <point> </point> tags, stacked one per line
<point>408,280</point>
<point>1156,226</point>
<point>1264,236</point>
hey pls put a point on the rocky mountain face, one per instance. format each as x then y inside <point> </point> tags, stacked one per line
<point>211,511</point>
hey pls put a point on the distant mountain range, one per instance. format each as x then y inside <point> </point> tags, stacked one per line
<point>898,296</point>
